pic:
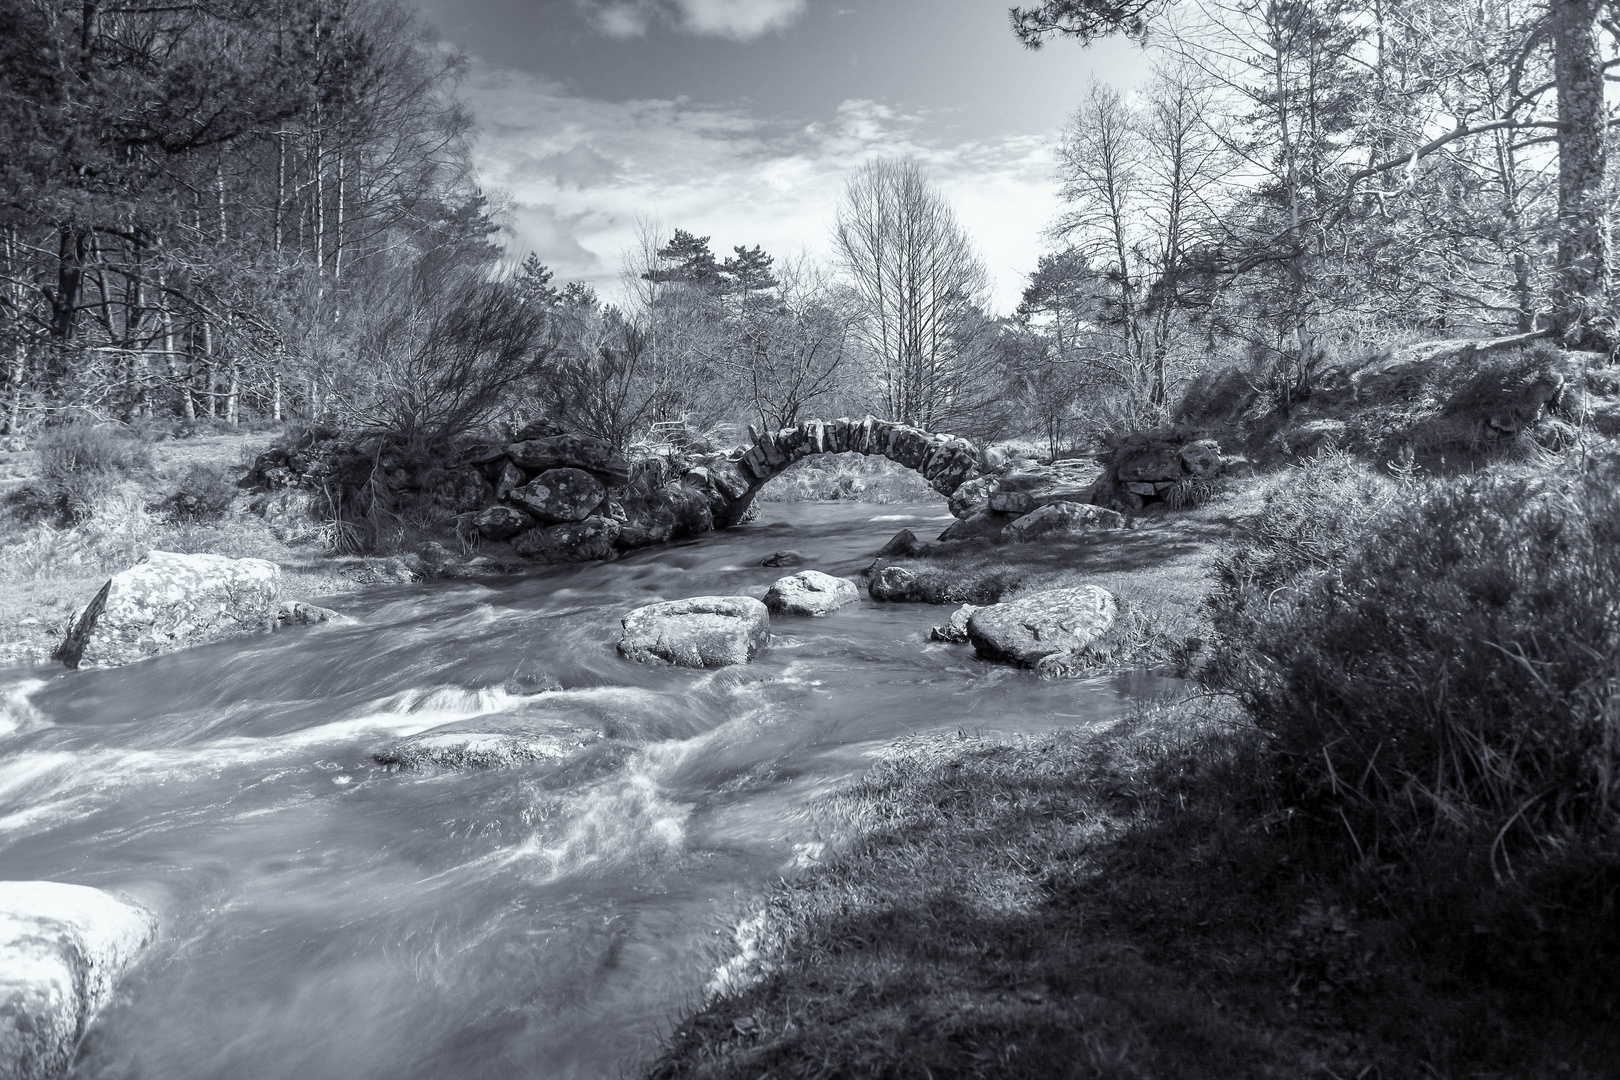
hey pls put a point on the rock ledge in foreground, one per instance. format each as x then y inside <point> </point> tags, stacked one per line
<point>62,950</point>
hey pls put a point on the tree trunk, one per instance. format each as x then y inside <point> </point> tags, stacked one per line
<point>1580,317</point>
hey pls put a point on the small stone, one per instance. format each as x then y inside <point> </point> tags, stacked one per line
<point>903,543</point>
<point>784,558</point>
<point>298,613</point>
<point>954,632</point>
<point>810,592</point>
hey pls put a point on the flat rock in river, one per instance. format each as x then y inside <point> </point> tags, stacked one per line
<point>62,950</point>
<point>169,601</point>
<point>1053,622</point>
<point>701,631</point>
<point>810,592</point>
<point>472,746</point>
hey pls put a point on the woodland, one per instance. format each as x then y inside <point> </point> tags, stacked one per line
<point>225,213</point>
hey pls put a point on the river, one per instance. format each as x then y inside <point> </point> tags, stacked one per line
<point>323,917</point>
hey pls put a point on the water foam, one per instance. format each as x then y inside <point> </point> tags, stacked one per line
<point>17,713</point>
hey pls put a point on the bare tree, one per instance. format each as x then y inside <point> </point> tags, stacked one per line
<point>1138,182</point>
<point>917,287</point>
<point>791,348</point>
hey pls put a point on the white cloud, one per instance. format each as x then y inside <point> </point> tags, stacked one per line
<point>580,172</point>
<point>739,20</point>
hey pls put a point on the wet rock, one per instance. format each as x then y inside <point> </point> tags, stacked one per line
<point>298,613</point>
<point>573,541</point>
<point>954,632</point>
<point>170,601</point>
<point>903,543</point>
<point>702,631</point>
<point>572,452</point>
<point>1063,520</point>
<point>62,950</point>
<point>647,522</point>
<point>784,558</point>
<point>530,680</point>
<point>469,748</point>
<point>502,522</point>
<point>987,525</point>
<point>810,592</point>
<point>1050,623</point>
<point>923,585</point>
<point>560,495</point>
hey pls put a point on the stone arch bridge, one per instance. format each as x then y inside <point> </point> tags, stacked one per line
<point>730,481</point>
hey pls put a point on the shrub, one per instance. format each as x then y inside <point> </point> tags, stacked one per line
<point>203,493</point>
<point>81,465</point>
<point>1439,684</point>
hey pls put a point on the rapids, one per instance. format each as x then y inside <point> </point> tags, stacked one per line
<point>322,917</point>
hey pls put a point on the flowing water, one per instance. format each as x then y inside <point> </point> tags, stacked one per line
<point>323,917</point>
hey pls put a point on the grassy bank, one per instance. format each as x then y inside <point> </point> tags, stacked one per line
<point>76,512</point>
<point>1382,843</point>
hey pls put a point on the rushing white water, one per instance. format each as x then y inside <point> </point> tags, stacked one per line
<point>324,917</point>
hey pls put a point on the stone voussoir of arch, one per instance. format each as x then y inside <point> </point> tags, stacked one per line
<point>945,461</point>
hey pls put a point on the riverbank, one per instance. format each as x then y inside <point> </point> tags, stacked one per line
<point>1158,897</point>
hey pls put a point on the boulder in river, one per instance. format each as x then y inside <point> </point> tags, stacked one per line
<point>784,558</point>
<point>810,592</point>
<point>560,495</point>
<point>1063,520</point>
<point>701,631</point>
<point>482,747</point>
<point>299,613</point>
<point>572,541</point>
<point>62,950</point>
<point>169,601</point>
<point>955,631</point>
<point>987,524</point>
<point>1050,623</point>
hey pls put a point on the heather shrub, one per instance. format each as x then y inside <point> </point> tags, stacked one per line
<point>80,467</point>
<point>202,494</point>
<point>1439,684</point>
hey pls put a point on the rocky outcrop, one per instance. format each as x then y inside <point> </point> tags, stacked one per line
<point>1157,467</point>
<point>702,631</point>
<point>502,522</point>
<point>62,950</point>
<point>560,495</point>
<point>571,452</point>
<point>810,592</point>
<point>483,747</point>
<point>573,541</point>
<point>1042,625</point>
<point>1062,521</point>
<point>170,601</point>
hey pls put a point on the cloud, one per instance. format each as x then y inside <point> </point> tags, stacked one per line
<point>580,173</point>
<point>738,20</point>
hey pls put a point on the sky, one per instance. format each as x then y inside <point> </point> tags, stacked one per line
<point>740,119</point>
